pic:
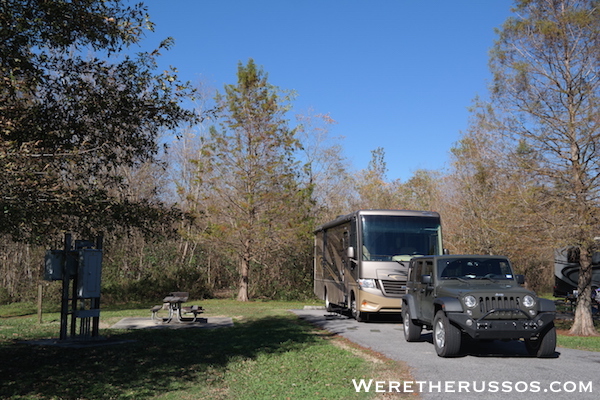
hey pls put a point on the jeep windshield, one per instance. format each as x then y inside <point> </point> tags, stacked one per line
<point>398,238</point>
<point>474,268</point>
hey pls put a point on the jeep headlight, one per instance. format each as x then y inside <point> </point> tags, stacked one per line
<point>528,301</point>
<point>470,301</point>
<point>367,283</point>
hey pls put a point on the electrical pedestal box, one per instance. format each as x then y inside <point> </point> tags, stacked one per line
<point>53,265</point>
<point>90,273</point>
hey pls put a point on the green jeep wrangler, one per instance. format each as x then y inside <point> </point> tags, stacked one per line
<point>478,296</point>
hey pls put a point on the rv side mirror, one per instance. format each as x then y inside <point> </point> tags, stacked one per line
<point>446,252</point>
<point>350,252</point>
<point>520,279</point>
<point>426,279</point>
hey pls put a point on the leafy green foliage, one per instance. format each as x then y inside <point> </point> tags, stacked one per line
<point>69,121</point>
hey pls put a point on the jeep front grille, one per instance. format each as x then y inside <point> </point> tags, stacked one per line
<point>504,306</point>
<point>393,288</point>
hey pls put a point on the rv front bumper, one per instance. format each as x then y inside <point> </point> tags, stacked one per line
<point>370,302</point>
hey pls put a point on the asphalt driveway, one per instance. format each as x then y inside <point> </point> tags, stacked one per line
<point>493,370</point>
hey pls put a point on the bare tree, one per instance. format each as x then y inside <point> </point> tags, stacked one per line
<point>327,170</point>
<point>546,65</point>
<point>492,202</point>
<point>372,185</point>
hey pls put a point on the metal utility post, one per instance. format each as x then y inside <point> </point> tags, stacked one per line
<point>80,269</point>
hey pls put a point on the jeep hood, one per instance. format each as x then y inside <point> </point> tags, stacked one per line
<point>498,288</point>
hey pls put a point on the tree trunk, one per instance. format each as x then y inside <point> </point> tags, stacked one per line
<point>244,268</point>
<point>584,322</point>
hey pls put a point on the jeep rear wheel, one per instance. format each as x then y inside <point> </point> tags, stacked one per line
<point>544,346</point>
<point>446,337</point>
<point>412,331</point>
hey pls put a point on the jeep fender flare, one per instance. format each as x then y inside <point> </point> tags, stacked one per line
<point>448,304</point>
<point>408,300</point>
<point>547,305</point>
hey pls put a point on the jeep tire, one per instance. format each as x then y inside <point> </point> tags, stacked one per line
<point>446,337</point>
<point>412,331</point>
<point>544,346</point>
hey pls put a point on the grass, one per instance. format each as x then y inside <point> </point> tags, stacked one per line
<point>591,343</point>
<point>269,353</point>
<point>563,326</point>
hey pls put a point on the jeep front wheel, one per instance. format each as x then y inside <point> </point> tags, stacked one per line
<point>544,346</point>
<point>412,331</point>
<point>446,337</point>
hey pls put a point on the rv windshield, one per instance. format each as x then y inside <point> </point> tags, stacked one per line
<point>398,238</point>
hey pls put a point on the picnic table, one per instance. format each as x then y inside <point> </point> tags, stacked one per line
<point>174,303</point>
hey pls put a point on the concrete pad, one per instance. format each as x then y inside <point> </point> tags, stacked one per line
<point>148,323</point>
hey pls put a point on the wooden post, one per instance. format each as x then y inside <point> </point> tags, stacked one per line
<point>39,304</point>
<point>64,314</point>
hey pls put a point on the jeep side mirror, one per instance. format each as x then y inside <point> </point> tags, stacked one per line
<point>426,279</point>
<point>520,279</point>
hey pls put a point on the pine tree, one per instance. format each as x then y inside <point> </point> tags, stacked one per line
<point>249,174</point>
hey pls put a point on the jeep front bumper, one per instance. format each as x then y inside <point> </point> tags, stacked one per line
<point>487,328</point>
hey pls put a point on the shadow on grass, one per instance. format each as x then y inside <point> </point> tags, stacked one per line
<point>157,362</point>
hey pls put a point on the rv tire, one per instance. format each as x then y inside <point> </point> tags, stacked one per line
<point>356,314</point>
<point>328,305</point>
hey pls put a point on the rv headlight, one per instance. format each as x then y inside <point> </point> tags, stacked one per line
<point>528,301</point>
<point>367,283</point>
<point>470,301</point>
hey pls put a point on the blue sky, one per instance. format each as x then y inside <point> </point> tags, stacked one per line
<point>396,74</point>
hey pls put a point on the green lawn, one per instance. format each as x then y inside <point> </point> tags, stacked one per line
<point>576,342</point>
<point>573,342</point>
<point>269,353</point>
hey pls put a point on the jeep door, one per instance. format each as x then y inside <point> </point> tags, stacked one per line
<point>425,289</point>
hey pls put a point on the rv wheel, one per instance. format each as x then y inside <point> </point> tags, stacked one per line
<point>356,314</point>
<point>328,306</point>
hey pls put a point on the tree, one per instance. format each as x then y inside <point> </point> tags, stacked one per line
<point>252,200</point>
<point>546,76</point>
<point>326,168</point>
<point>372,185</point>
<point>422,191</point>
<point>493,203</point>
<point>72,115</point>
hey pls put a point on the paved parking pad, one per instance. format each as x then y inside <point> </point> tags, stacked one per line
<point>148,323</point>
